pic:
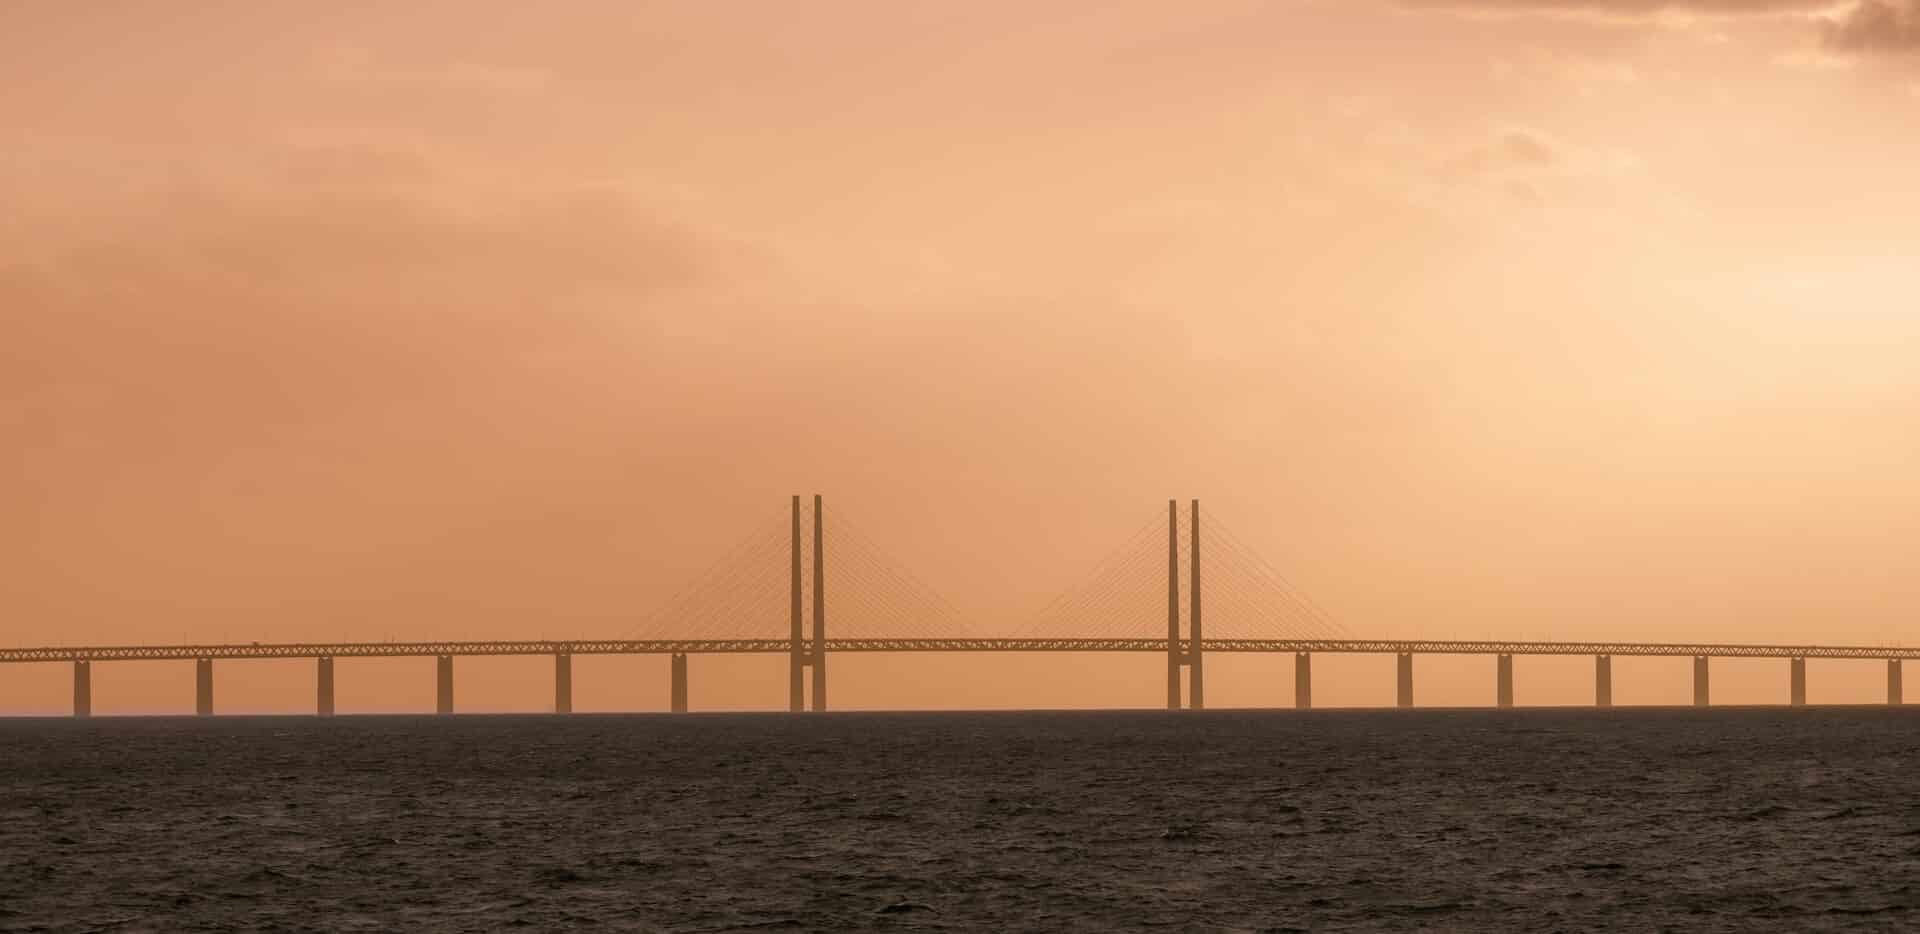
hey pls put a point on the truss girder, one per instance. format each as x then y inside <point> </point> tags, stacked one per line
<point>772,646</point>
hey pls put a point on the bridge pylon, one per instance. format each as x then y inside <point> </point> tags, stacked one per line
<point>801,652</point>
<point>796,648</point>
<point>1186,652</point>
<point>819,609</point>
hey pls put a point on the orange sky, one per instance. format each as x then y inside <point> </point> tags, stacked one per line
<point>1481,318</point>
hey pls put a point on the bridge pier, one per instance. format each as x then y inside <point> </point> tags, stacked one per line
<point>1797,682</point>
<point>1700,692</point>
<point>1303,680</point>
<point>1403,693</point>
<point>677,696</point>
<point>443,694</point>
<point>1603,681</point>
<point>562,682</point>
<point>323,687</point>
<point>1893,683</point>
<point>203,687</point>
<point>1503,677</point>
<point>83,688</point>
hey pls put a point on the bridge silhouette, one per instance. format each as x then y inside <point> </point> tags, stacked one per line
<point>880,606</point>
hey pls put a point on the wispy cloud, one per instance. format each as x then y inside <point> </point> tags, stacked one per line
<point>1843,28</point>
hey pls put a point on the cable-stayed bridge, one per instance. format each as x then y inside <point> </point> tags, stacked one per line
<point>1183,585</point>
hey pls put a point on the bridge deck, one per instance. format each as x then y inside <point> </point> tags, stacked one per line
<point>777,646</point>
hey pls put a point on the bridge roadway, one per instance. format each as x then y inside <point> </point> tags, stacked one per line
<point>812,654</point>
<point>780,646</point>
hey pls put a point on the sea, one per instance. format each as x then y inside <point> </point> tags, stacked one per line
<point>1721,819</point>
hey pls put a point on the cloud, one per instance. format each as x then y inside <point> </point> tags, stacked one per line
<point>1845,27</point>
<point>1628,9</point>
<point>1480,183</point>
<point>1528,149</point>
<point>1513,151</point>
<point>1874,27</point>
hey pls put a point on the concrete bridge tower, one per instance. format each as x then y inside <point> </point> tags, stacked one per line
<point>1187,653</point>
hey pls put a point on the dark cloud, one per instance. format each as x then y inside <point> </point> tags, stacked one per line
<point>1868,27</point>
<point>1627,7</point>
<point>1875,27</point>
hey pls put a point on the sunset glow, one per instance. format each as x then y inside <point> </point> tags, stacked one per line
<point>1479,318</point>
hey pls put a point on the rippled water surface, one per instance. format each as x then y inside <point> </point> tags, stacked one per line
<point>1390,820</point>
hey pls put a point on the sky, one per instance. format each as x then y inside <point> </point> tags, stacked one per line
<point>1557,319</point>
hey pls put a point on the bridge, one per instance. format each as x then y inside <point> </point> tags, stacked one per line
<point>885,596</point>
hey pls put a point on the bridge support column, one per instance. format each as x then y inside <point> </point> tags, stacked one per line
<point>1303,680</point>
<point>1700,692</point>
<point>203,687</point>
<point>1403,694</point>
<point>562,682</point>
<point>1174,659</point>
<point>677,698</point>
<point>1797,682</point>
<point>323,686</point>
<point>1893,682</point>
<point>443,695</point>
<point>1196,670</point>
<point>83,688</point>
<point>819,609</point>
<point>1503,676</point>
<point>1603,681</point>
<point>796,650</point>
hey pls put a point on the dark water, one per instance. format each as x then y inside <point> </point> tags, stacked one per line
<point>1442,820</point>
